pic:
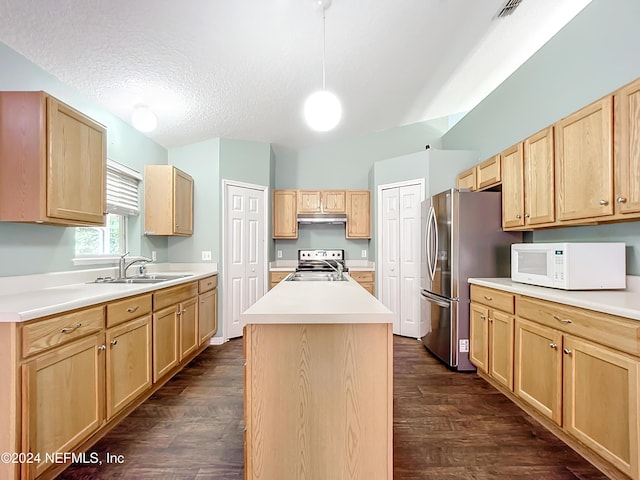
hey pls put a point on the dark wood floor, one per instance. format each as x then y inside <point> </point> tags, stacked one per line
<point>446,426</point>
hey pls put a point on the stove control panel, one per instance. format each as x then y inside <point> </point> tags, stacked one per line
<point>307,255</point>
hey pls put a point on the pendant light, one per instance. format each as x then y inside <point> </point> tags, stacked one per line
<point>322,109</point>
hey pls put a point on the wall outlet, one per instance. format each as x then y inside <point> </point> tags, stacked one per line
<point>464,345</point>
<point>279,253</point>
<point>206,255</point>
<point>153,255</point>
<point>364,254</point>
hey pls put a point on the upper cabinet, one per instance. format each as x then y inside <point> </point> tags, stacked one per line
<point>285,224</point>
<point>467,179</point>
<point>52,162</point>
<point>512,187</point>
<point>627,150</point>
<point>358,214</point>
<point>321,201</point>
<point>168,201</point>
<point>584,162</point>
<point>489,173</point>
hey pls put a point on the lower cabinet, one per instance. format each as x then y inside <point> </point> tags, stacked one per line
<point>128,348</point>
<point>165,341</point>
<point>188,315</point>
<point>364,278</point>
<point>62,403</point>
<point>276,277</point>
<point>207,315</point>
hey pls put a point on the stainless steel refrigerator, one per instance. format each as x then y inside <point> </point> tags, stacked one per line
<point>462,237</point>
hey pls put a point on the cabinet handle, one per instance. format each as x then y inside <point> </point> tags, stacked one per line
<point>114,342</point>
<point>179,312</point>
<point>563,320</point>
<point>71,329</point>
<point>102,347</point>
<point>621,200</point>
<point>490,319</point>
<point>567,351</point>
<point>488,298</point>
<point>184,311</point>
<point>132,309</point>
<point>603,202</point>
<point>482,317</point>
<point>518,216</point>
<point>526,215</point>
<point>553,345</point>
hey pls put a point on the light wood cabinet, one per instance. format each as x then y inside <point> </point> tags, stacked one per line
<point>312,389</point>
<point>207,309</point>
<point>492,333</point>
<point>539,179</point>
<point>166,333</point>
<point>188,315</point>
<point>512,187</point>
<point>365,278</point>
<point>358,214</point>
<point>276,277</point>
<point>321,201</point>
<point>168,201</point>
<point>467,180</point>
<point>52,162</point>
<point>63,399</point>
<point>489,173</point>
<point>285,223</point>
<point>128,363</point>
<point>601,405</point>
<point>584,162</point>
<point>627,150</point>
<point>538,368</point>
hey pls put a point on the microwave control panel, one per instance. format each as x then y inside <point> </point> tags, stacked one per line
<point>558,270</point>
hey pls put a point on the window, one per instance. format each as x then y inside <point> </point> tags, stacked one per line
<point>122,201</point>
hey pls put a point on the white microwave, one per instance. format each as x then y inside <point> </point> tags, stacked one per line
<point>570,266</point>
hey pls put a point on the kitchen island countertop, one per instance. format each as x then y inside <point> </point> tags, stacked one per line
<point>318,302</point>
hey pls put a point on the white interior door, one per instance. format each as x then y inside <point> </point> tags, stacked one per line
<point>390,261</point>
<point>244,259</point>
<point>399,254</point>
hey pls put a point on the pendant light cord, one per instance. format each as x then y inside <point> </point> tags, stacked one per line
<point>323,48</point>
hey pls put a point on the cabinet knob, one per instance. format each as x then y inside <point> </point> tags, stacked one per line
<point>603,202</point>
<point>567,351</point>
<point>553,345</point>
<point>114,342</point>
<point>490,319</point>
<point>621,200</point>
<point>518,216</point>
<point>526,215</point>
<point>102,347</point>
<point>482,317</point>
<point>177,226</point>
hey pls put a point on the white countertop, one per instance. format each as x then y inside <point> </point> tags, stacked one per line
<point>624,303</point>
<point>55,293</point>
<point>317,302</point>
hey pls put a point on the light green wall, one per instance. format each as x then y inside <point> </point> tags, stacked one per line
<point>28,249</point>
<point>342,165</point>
<point>596,53</point>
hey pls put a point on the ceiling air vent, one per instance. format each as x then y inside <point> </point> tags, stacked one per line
<point>508,8</point>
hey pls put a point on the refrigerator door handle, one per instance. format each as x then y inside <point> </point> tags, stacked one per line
<point>435,299</point>
<point>432,242</point>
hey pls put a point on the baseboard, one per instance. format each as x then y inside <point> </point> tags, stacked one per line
<point>216,341</point>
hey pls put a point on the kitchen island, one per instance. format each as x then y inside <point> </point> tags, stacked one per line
<point>318,383</point>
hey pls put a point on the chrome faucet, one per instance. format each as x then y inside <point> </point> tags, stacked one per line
<point>339,268</point>
<point>124,265</point>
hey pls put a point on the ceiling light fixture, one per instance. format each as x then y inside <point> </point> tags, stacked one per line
<point>143,118</point>
<point>322,109</point>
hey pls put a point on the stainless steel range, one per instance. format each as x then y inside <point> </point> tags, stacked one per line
<point>320,261</point>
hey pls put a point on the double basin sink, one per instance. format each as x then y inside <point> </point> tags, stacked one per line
<point>316,277</point>
<point>149,278</point>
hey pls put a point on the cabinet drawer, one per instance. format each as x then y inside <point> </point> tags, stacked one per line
<point>493,298</point>
<point>615,332</point>
<point>207,284</point>
<point>361,277</point>
<point>49,333</point>
<point>128,309</point>
<point>171,296</point>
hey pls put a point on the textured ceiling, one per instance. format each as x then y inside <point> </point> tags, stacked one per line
<point>242,69</point>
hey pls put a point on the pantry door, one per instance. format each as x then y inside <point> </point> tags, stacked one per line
<point>244,252</point>
<point>399,253</point>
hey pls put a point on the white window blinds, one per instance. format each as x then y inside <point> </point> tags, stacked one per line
<point>122,189</point>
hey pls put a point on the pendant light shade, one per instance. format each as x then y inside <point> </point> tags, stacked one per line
<point>143,119</point>
<point>322,110</point>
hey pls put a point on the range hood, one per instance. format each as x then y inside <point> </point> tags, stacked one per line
<point>331,218</point>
